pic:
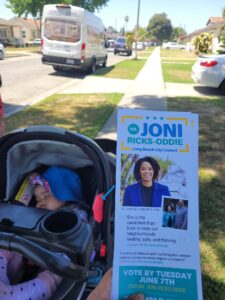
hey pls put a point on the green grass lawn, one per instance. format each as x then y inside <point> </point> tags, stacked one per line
<point>212,188</point>
<point>177,54</point>
<point>21,51</point>
<point>126,69</point>
<point>178,72</point>
<point>145,53</point>
<point>177,65</point>
<point>85,114</point>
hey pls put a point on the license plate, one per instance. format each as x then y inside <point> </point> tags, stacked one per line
<point>70,61</point>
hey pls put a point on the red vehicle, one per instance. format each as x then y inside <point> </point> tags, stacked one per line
<point>2,127</point>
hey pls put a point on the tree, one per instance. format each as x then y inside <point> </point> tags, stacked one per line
<point>160,27</point>
<point>130,38</point>
<point>142,33</point>
<point>35,7</point>
<point>202,42</point>
<point>177,32</point>
<point>222,37</point>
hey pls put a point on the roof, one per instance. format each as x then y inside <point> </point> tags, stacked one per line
<point>23,22</point>
<point>211,28</point>
<point>213,20</point>
<point>33,22</point>
<point>8,23</point>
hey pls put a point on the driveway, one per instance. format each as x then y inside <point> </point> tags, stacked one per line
<point>191,90</point>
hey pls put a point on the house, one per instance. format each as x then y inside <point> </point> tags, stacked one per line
<point>215,26</point>
<point>19,31</point>
<point>29,28</point>
<point>8,31</point>
<point>214,20</point>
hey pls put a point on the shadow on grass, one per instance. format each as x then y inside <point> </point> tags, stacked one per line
<point>12,108</point>
<point>215,289</point>
<point>103,71</point>
<point>212,210</point>
<point>211,187</point>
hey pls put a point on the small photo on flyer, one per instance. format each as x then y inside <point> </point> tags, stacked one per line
<point>175,213</point>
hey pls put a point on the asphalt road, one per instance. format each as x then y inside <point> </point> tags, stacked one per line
<point>26,80</point>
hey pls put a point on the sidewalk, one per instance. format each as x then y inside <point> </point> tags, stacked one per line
<point>147,92</point>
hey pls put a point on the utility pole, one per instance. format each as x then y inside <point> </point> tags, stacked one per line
<point>137,27</point>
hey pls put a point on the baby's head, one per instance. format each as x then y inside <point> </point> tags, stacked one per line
<point>56,187</point>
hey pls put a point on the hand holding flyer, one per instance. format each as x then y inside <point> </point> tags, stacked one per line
<point>156,228</point>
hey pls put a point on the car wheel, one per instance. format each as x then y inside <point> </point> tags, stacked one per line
<point>104,63</point>
<point>1,55</point>
<point>222,87</point>
<point>92,68</point>
<point>57,68</point>
<point>115,52</point>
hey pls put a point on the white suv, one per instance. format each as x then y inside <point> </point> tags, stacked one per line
<point>172,45</point>
<point>2,52</point>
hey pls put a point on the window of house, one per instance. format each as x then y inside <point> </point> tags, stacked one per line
<point>2,32</point>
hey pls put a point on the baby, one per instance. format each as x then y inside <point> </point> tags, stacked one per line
<point>58,187</point>
<point>55,188</point>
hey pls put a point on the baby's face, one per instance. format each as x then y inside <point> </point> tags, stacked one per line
<point>46,199</point>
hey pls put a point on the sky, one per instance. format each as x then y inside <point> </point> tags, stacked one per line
<point>189,14</point>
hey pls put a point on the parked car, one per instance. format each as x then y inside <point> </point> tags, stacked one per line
<point>4,42</point>
<point>209,70</point>
<point>2,52</point>
<point>149,44</point>
<point>173,45</point>
<point>110,45</point>
<point>36,42</point>
<point>140,46</point>
<point>121,46</point>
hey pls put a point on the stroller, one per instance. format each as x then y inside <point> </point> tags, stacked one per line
<point>39,234</point>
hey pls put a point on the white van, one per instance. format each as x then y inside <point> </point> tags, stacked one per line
<point>72,38</point>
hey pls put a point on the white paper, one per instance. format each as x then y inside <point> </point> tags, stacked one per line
<point>157,248</point>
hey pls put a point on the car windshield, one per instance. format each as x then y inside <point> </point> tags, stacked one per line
<point>62,30</point>
<point>121,40</point>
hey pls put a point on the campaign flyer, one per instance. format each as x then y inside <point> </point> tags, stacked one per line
<point>157,215</point>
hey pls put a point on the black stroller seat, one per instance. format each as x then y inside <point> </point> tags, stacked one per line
<point>40,234</point>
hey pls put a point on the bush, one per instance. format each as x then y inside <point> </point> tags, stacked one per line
<point>202,42</point>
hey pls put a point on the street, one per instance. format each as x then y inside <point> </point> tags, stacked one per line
<point>26,80</point>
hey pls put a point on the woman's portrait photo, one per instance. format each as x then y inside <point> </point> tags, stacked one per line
<point>140,184</point>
